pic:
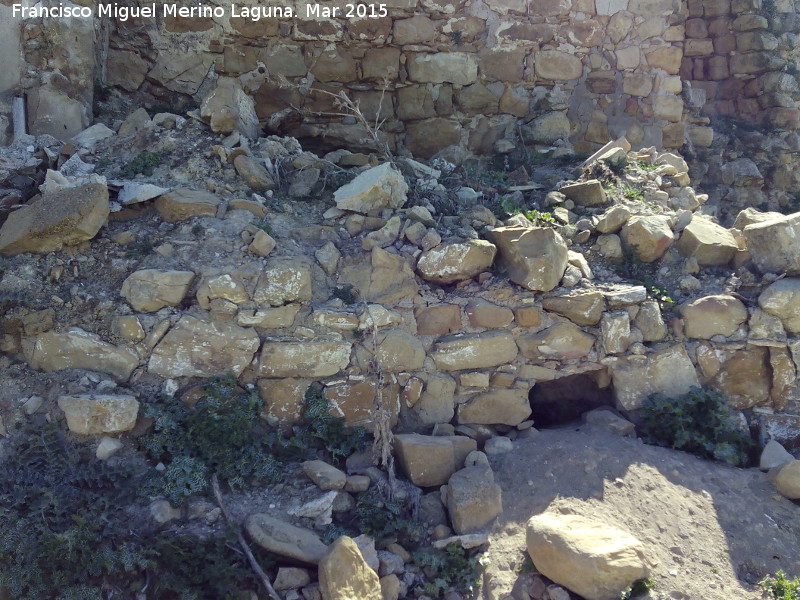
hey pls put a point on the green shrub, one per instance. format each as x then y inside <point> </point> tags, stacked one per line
<point>323,431</point>
<point>144,163</point>
<point>698,422</point>
<point>380,517</point>
<point>223,434</point>
<point>65,518</point>
<point>453,568</point>
<point>780,587</point>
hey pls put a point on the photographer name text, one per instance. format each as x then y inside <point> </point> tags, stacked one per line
<point>255,12</point>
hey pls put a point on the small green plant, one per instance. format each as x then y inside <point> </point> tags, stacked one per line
<point>221,434</point>
<point>325,431</point>
<point>698,422</point>
<point>380,517</point>
<point>638,588</point>
<point>453,568</point>
<point>143,163</point>
<point>780,587</point>
<point>263,225</point>
<point>660,294</point>
<point>632,193</point>
<point>540,219</point>
<point>646,166</point>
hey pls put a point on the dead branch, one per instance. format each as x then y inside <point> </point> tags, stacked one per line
<point>242,542</point>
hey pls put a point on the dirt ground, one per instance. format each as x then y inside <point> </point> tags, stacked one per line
<point>711,531</point>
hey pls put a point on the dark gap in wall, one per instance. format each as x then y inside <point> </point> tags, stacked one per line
<point>561,402</point>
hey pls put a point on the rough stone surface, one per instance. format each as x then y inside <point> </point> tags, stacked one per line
<point>713,315</point>
<point>561,341</point>
<point>648,237</point>
<point>90,414</point>
<point>149,290</point>
<point>582,307</point>
<point>474,351</point>
<point>375,189</point>
<point>303,358</point>
<point>668,371</point>
<point>327,477</point>
<point>474,500</point>
<point>197,347</point>
<point>285,539</point>
<point>774,245</point>
<point>535,257</point>
<point>744,378</point>
<point>426,460</point>
<point>448,263</point>
<point>786,480</point>
<point>77,349</point>
<point>496,407</point>
<point>345,575</point>
<point>182,203</point>
<point>709,243</point>
<point>283,280</point>
<point>585,193</point>
<point>773,455</point>
<point>782,299</point>
<point>590,558</point>
<point>60,218</point>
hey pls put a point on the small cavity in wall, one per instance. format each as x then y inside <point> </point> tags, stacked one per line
<point>562,401</point>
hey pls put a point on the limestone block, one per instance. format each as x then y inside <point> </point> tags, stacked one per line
<point>745,379</point>
<point>668,371</point>
<point>504,406</point>
<point>283,280</point>
<point>474,500</point>
<point>345,575</point>
<point>585,193</point>
<point>78,349</point>
<point>557,66</point>
<point>782,299</point>
<point>490,316</point>
<point>459,68</point>
<point>648,237</point>
<point>448,263</point>
<point>474,351</point>
<point>354,400</point>
<point>303,358</point>
<point>284,400</point>
<point>285,539</point>
<point>90,414</point>
<point>535,257</point>
<point>202,348</point>
<point>150,290</point>
<point>561,341</point>
<point>373,190</point>
<point>713,315</point>
<point>582,307</point>
<point>774,244</point>
<point>182,203</point>
<point>59,218</point>
<point>590,558</point>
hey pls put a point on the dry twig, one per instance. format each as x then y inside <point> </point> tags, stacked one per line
<point>242,542</point>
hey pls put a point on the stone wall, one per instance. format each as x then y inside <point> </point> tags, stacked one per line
<point>466,73</point>
<point>452,326</point>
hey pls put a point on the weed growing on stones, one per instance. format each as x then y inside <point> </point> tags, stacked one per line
<point>781,587</point>
<point>453,568</point>
<point>221,434</point>
<point>698,422</point>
